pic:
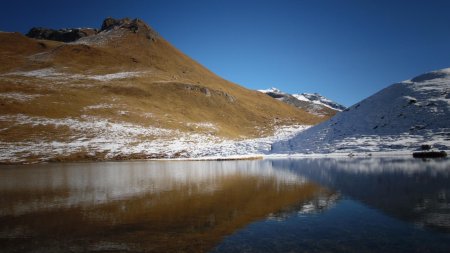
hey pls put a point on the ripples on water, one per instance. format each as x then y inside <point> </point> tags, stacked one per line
<point>315,205</point>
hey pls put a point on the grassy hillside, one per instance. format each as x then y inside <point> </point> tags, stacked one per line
<point>127,76</point>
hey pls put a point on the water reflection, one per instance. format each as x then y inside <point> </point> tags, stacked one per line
<point>141,206</point>
<point>385,205</point>
<point>315,205</point>
<point>413,190</point>
<point>321,203</point>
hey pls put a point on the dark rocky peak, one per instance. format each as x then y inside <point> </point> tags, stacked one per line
<point>64,35</point>
<point>135,25</point>
<point>110,23</point>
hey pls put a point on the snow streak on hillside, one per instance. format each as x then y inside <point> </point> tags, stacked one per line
<point>400,117</point>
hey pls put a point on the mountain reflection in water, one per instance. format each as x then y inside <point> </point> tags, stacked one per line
<point>141,206</point>
<point>409,189</point>
<point>385,205</point>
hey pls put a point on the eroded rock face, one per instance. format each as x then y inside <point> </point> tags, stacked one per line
<point>135,25</point>
<point>110,23</point>
<point>72,34</point>
<point>64,35</point>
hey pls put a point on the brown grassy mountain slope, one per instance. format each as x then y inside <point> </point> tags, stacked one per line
<point>101,87</point>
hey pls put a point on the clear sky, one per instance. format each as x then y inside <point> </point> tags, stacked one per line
<point>345,50</point>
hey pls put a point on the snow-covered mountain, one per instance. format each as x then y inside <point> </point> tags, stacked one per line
<point>400,117</point>
<point>312,103</point>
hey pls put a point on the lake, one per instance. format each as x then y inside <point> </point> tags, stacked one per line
<point>280,205</point>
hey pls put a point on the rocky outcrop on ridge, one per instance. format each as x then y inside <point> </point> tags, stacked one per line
<point>74,34</point>
<point>64,35</point>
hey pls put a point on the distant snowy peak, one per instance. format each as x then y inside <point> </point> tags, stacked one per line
<point>319,99</point>
<point>402,117</point>
<point>313,103</point>
<point>272,90</point>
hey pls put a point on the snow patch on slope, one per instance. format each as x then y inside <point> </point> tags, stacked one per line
<point>99,106</point>
<point>18,96</point>
<point>203,125</point>
<point>301,97</point>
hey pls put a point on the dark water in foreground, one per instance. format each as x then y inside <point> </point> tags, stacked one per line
<point>304,205</point>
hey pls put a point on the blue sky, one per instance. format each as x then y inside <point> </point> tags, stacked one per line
<point>345,50</point>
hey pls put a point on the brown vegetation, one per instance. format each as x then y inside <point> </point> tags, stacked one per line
<point>170,86</point>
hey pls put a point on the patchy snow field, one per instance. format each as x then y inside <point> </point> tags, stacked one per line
<point>95,135</point>
<point>399,118</point>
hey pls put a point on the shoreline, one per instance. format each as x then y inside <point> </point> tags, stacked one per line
<point>400,154</point>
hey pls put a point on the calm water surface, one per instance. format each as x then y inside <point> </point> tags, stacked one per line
<point>285,205</point>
